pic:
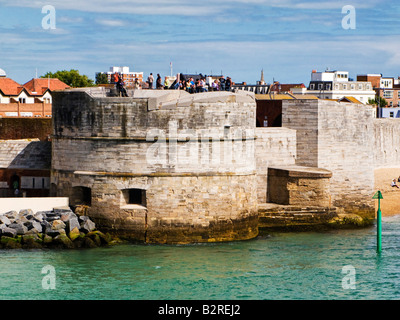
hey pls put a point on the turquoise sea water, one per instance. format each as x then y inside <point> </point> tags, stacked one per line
<point>306,265</point>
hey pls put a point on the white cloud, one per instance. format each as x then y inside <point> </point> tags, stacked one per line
<point>149,7</point>
<point>66,19</point>
<point>110,22</point>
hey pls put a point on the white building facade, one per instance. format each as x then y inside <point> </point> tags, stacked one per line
<point>336,85</point>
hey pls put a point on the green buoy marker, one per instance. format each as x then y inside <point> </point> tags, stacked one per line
<point>378,195</point>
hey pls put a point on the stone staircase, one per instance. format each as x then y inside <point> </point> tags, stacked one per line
<point>276,216</point>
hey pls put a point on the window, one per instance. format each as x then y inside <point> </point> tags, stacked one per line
<point>320,86</point>
<point>312,86</point>
<point>388,94</point>
<point>81,196</point>
<point>133,197</point>
<point>22,100</point>
<point>391,115</point>
<point>35,182</point>
<point>345,87</point>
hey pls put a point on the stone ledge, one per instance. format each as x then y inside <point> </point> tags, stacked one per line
<point>299,172</point>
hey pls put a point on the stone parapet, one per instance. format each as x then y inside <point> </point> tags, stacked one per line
<point>296,185</point>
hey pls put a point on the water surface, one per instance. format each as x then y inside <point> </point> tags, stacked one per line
<point>304,265</point>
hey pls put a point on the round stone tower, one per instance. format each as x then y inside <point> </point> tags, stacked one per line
<point>158,166</point>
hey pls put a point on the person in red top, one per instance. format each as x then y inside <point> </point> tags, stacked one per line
<point>115,77</point>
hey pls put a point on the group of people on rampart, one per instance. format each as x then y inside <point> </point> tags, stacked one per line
<point>190,84</point>
<point>180,82</point>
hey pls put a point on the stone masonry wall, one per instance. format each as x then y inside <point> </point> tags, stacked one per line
<point>337,137</point>
<point>386,146</point>
<point>273,147</point>
<point>194,158</point>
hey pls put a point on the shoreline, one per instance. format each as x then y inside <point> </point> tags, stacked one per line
<point>390,204</point>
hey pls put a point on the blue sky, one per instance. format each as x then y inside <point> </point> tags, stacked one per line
<point>286,38</point>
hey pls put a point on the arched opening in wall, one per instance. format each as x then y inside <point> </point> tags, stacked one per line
<point>15,182</point>
<point>81,196</point>
<point>133,197</point>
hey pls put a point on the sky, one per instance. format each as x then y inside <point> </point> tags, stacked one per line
<point>285,38</point>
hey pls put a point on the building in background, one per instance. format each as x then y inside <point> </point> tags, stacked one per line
<point>25,166</point>
<point>32,99</point>
<point>127,76</point>
<point>384,87</point>
<point>335,85</point>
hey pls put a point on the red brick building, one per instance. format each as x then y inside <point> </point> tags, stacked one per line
<point>33,99</point>
<point>385,87</point>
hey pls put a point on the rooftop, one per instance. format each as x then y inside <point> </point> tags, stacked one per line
<point>9,87</point>
<point>38,86</point>
<point>25,154</point>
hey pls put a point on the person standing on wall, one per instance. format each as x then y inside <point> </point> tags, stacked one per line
<point>228,84</point>
<point>150,80</point>
<point>222,83</point>
<point>159,84</point>
<point>120,88</point>
<point>115,78</point>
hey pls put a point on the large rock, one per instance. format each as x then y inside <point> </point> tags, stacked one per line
<point>63,240</point>
<point>38,216</point>
<point>46,226</point>
<point>33,226</point>
<point>31,242</point>
<point>10,242</point>
<point>8,232</point>
<point>19,227</point>
<point>87,225</point>
<point>74,233</point>
<point>61,211</point>
<point>53,233</point>
<point>5,220</point>
<point>66,216</point>
<point>25,212</point>
<point>73,223</point>
<point>11,215</point>
<point>57,225</point>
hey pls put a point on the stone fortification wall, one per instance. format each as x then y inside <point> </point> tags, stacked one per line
<point>338,137</point>
<point>273,147</point>
<point>191,157</point>
<point>386,147</point>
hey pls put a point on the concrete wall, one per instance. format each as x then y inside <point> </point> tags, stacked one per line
<point>35,204</point>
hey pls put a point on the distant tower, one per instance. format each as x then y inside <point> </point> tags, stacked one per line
<point>261,82</point>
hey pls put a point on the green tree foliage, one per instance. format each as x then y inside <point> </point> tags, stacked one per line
<point>101,78</point>
<point>71,78</point>
<point>379,101</point>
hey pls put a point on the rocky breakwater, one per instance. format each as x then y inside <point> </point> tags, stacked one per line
<point>59,228</point>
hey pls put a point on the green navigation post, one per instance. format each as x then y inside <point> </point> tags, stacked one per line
<point>378,195</point>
